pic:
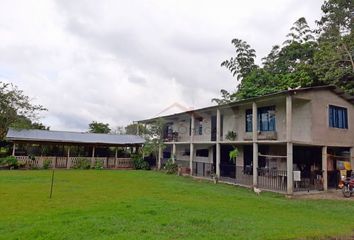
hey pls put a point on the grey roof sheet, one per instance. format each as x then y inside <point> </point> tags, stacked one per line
<point>72,137</point>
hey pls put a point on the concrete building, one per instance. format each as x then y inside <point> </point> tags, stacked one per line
<point>303,136</point>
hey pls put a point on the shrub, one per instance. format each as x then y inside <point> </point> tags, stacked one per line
<point>140,163</point>
<point>82,163</point>
<point>98,165</point>
<point>47,163</point>
<point>9,161</point>
<point>170,167</point>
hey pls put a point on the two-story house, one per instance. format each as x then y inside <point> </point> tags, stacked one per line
<point>288,141</point>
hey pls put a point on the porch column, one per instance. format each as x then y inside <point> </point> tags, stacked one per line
<point>68,165</point>
<point>159,158</point>
<point>93,156</point>
<point>13,149</point>
<point>289,145</point>
<point>352,158</point>
<point>174,153</point>
<point>218,134</point>
<point>255,143</point>
<point>191,147</point>
<point>191,156</point>
<point>137,129</point>
<point>324,168</point>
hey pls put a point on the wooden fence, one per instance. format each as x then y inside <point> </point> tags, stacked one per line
<point>69,162</point>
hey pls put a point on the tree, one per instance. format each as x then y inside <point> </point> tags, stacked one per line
<point>15,107</point>
<point>154,139</point>
<point>244,61</point>
<point>334,59</point>
<point>98,127</point>
<point>132,129</point>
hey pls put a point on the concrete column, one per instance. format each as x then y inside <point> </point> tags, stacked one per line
<point>191,156</point>
<point>255,142</point>
<point>68,165</point>
<point>14,149</point>
<point>137,129</point>
<point>93,156</point>
<point>218,134</point>
<point>159,158</point>
<point>174,153</point>
<point>324,168</point>
<point>352,158</point>
<point>191,147</point>
<point>289,145</point>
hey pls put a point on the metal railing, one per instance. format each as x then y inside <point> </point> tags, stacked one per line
<point>309,182</point>
<point>243,176</point>
<point>272,179</point>
<point>202,169</point>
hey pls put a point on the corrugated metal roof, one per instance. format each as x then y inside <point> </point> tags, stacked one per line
<point>72,137</point>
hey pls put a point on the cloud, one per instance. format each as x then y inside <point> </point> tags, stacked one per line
<point>119,61</point>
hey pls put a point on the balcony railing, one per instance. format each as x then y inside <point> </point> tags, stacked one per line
<point>272,179</point>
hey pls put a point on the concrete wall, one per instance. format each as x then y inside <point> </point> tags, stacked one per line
<point>321,133</point>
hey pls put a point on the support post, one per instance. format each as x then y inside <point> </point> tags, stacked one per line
<point>324,168</point>
<point>289,145</point>
<point>68,163</point>
<point>191,147</point>
<point>159,157</point>
<point>93,156</point>
<point>14,149</point>
<point>255,143</point>
<point>137,129</point>
<point>218,134</point>
<point>115,158</point>
<point>174,153</point>
<point>352,158</point>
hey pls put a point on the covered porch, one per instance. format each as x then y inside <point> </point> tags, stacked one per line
<point>58,149</point>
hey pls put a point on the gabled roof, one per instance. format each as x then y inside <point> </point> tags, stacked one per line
<point>34,135</point>
<point>332,88</point>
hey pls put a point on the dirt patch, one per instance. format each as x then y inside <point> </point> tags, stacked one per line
<point>330,195</point>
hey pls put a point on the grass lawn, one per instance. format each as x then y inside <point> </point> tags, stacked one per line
<point>105,204</point>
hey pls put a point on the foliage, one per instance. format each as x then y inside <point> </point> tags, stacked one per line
<point>154,139</point>
<point>304,60</point>
<point>82,163</point>
<point>144,205</point>
<point>47,163</point>
<point>98,165</point>
<point>14,106</point>
<point>170,167</point>
<point>231,136</point>
<point>98,127</point>
<point>140,163</point>
<point>9,161</point>
<point>233,154</point>
<point>132,129</point>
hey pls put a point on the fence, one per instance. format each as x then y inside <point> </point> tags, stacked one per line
<point>202,169</point>
<point>68,162</point>
<point>272,179</point>
<point>309,181</point>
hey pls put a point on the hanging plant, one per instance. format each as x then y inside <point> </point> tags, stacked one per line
<point>233,155</point>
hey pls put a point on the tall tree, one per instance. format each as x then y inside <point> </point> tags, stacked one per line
<point>98,127</point>
<point>14,107</point>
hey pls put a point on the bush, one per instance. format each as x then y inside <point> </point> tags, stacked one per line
<point>140,163</point>
<point>82,163</point>
<point>98,165</point>
<point>9,161</point>
<point>47,163</point>
<point>170,167</point>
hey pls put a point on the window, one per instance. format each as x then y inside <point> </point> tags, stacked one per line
<point>200,126</point>
<point>202,153</point>
<point>338,117</point>
<point>265,119</point>
<point>249,120</point>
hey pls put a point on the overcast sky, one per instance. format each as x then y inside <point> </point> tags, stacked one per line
<point>119,61</point>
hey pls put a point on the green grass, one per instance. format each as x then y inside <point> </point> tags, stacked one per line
<point>149,205</point>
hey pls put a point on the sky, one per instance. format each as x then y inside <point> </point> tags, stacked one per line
<point>117,61</point>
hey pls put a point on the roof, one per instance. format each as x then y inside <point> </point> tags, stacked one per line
<point>332,88</point>
<point>34,135</point>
